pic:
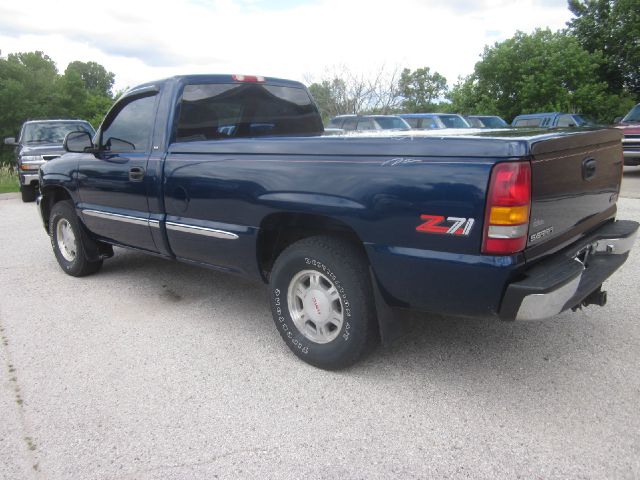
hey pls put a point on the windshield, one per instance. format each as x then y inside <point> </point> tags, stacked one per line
<point>633,116</point>
<point>453,121</point>
<point>52,132</point>
<point>388,123</point>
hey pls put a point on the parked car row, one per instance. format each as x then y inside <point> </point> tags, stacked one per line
<point>428,121</point>
<point>630,124</point>
<point>41,140</point>
<point>415,121</point>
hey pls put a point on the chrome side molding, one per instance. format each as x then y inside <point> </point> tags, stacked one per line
<point>116,216</point>
<point>176,227</point>
<point>207,232</point>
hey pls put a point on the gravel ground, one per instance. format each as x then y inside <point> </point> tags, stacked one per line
<point>631,182</point>
<point>158,370</point>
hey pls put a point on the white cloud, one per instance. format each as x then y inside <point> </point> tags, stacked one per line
<point>143,40</point>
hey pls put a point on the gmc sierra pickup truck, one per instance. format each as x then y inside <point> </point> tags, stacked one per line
<point>234,173</point>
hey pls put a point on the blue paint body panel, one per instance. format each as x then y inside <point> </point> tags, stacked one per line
<point>206,202</point>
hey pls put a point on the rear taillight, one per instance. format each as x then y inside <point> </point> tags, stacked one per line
<point>508,204</point>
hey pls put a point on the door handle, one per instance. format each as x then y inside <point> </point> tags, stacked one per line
<point>136,174</point>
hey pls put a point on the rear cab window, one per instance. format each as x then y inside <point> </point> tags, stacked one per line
<point>366,124</point>
<point>566,121</point>
<point>412,121</point>
<point>217,111</point>
<point>350,124</point>
<point>453,121</point>
<point>527,122</point>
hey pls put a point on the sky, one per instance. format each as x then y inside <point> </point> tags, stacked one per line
<point>303,40</point>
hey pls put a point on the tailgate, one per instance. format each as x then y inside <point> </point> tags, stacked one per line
<point>575,180</point>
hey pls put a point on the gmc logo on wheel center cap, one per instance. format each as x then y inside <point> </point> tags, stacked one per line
<point>315,304</point>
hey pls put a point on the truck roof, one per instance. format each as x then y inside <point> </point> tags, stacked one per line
<point>218,78</point>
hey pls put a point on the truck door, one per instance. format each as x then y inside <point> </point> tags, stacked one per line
<point>113,185</point>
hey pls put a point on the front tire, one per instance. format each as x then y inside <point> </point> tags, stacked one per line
<point>28,193</point>
<point>322,302</point>
<point>69,241</point>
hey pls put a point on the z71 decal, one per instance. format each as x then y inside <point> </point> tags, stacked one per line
<point>446,226</point>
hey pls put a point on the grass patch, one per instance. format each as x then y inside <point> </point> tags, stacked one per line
<point>8,179</point>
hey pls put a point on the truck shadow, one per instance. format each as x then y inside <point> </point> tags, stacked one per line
<point>434,346</point>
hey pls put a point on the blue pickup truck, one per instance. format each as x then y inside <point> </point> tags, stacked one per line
<point>234,173</point>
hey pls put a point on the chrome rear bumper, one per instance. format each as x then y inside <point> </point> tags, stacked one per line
<point>565,279</point>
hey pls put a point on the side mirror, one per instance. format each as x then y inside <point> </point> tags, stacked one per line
<point>10,141</point>
<point>78,142</point>
<point>617,120</point>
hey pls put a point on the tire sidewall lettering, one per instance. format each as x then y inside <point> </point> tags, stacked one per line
<point>279,304</point>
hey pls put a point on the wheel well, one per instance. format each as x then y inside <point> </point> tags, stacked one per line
<point>279,230</point>
<point>51,196</point>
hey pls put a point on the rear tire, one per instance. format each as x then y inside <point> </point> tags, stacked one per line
<point>70,242</point>
<point>28,193</point>
<point>322,302</point>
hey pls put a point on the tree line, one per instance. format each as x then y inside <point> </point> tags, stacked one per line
<point>32,87</point>
<point>591,67</point>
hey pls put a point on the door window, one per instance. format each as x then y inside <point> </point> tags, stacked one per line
<point>130,130</point>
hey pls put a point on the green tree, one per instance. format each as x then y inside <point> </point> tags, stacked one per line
<point>27,86</point>
<point>543,71</point>
<point>611,28</point>
<point>323,95</point>
<point>95,77</point>
<point>420,89</point>
<point>27,81</point>
<point>77,99</point>
<point>31,87</point>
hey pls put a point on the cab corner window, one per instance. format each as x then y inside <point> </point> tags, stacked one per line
<point>130,129</point>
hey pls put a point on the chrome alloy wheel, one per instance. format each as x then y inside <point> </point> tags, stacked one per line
<point>66,240</point>
<point>315,306</point>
